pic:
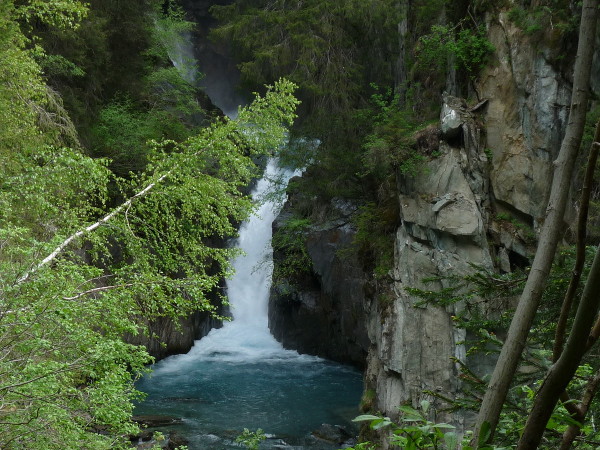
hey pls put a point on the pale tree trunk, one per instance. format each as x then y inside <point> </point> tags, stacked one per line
<point>553,225</point>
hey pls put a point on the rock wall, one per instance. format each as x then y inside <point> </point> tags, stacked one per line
<point>480,201</point>
<point>443,231</point>
<point>322,312</point>
<point>164,337</point>
<point>529,96</point>
<point>455,214</point>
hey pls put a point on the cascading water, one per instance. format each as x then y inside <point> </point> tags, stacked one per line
<point>247,337</point>
<point>240,377</point>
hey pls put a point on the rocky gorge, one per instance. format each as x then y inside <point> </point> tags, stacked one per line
<point>477,202</point>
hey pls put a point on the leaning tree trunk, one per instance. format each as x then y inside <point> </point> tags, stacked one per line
<point>561,373</point>
<point>523,318</point>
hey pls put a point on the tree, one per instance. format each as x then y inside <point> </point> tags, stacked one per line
<point>80,269</point>
<point>528,303</point>
<point>65,373</point>
<point>331,49</point>
<point>562,372</point>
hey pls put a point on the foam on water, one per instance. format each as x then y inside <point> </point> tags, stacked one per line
<point>247,336</point>
<point>239,376</point>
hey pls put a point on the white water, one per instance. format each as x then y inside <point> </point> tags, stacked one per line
<point>239,376</point>
<point>246,338</point>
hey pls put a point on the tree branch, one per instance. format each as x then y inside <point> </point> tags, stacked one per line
<point>561,373</point>
<point>64,244</point>
<point>584,406</point>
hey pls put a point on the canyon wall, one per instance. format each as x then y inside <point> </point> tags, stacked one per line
<point>479,201</point>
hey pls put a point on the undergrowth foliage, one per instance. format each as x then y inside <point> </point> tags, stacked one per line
<point>485,331</point>
<point>78,272</point>
<point>290,242</point>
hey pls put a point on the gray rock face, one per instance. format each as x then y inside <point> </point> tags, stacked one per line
<point>323,312</point>
<point>449,216</point>
<point>442,233</point>
<point>164,338</point>
<point>441,200</point>
<point>525,118</point>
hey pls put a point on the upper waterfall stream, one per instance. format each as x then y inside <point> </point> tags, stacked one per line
<point>240,377</point>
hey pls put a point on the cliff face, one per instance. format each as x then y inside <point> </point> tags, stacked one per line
<point>321,312</point>
<point>164,337</point>
<point>494,163</point>
<point>443,231</point>
<point>526,117</point>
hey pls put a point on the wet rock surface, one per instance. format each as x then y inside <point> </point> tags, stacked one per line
<point>322,312</point>
<point>153,421</point>
<point>165,338</point>
<point>332,433</point>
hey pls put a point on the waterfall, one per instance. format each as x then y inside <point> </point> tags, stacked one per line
<point>247,337</point>
<point>181,53</point>
<point>180,50</point>
<point>248,290</point>
<point>239,376</point>
<point>203,66</point>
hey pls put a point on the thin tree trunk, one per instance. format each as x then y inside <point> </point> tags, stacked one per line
<point>510,354</point>
<point>584,207</point>
<point>561,373</point>
<point>583,407</point>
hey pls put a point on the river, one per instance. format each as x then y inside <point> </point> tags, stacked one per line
<point>239,376</point>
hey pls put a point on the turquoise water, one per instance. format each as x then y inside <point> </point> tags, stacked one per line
<point>286,397</point>
<point>239,377</point>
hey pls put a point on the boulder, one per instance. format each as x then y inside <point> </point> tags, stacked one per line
<point>451,121</point>
<point>332,433</point>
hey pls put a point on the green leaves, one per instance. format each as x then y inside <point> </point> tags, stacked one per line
<point>251,439</point>
<point>470,48</point>
<point>77,275</point>
<point>79,270</point>
<point>289,243</point>
<point>414,431</point>
<point>58,13</point>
